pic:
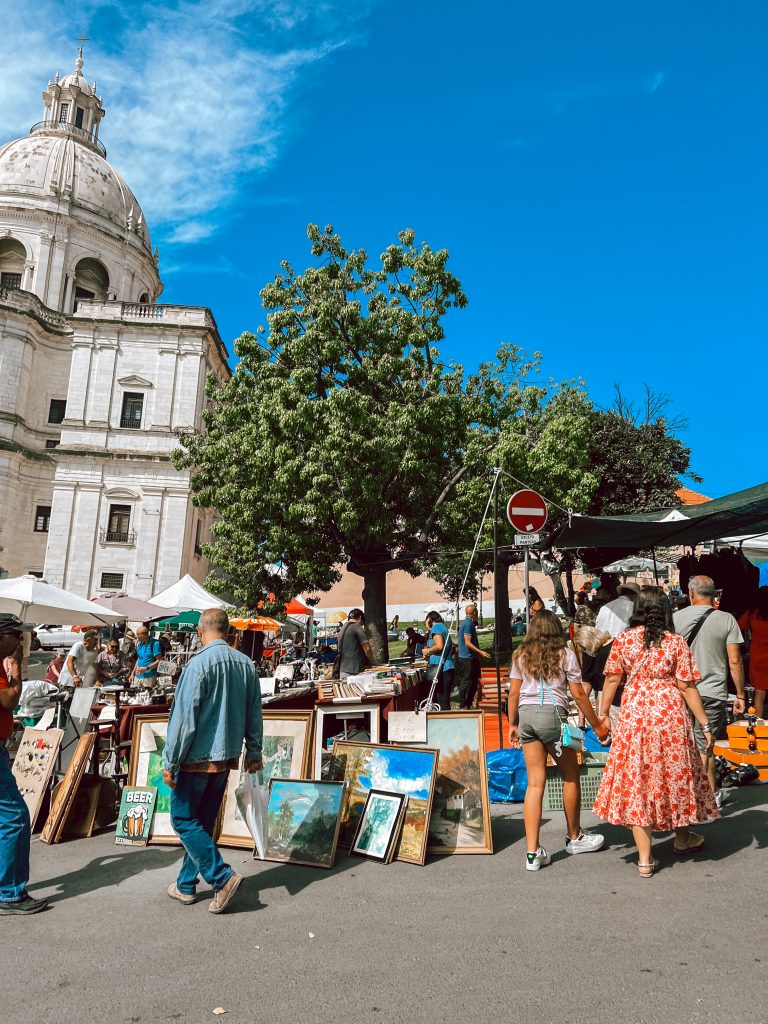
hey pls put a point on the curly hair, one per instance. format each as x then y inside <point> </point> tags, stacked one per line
<point>541,653</point>
<point>652,611</point>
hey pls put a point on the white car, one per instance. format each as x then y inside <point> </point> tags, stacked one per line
<point>51,637</point>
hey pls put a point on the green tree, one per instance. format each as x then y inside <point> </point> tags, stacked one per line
<point>340,430</point>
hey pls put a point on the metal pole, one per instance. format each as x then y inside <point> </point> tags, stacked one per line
<point>496,603</point>
<point>655,567</point>
<point>527,592</point>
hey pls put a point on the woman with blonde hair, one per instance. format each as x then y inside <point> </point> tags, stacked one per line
<point>543,672</point>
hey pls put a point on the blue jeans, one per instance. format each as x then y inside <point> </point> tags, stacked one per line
<point>14,836</point>
<point>195,805</point>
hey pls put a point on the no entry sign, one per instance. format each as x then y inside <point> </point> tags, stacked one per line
<point>527,511</point>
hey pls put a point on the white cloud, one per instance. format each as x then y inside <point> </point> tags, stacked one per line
<point>196,94</point>
<point>381,779</point>
<point>656,81</point>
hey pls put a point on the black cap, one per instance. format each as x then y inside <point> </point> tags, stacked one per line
<point>10,624</point>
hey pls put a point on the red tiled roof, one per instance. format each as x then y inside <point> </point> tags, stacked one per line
<point>689,497</point>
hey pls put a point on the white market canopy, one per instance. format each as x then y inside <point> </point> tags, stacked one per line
<point>188,596</point>
<point>35,601</point>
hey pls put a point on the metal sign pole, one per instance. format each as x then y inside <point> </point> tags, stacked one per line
<point>504,611</point>
<point>527,593</point>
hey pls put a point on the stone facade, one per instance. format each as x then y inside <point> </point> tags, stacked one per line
<point>96,378</point>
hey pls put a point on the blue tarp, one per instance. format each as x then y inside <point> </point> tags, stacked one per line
<point>507,777</point>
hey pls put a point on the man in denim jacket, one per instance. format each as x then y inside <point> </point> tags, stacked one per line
<point>217,708</point>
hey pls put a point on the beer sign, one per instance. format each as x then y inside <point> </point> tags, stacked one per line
<point>136,809</point>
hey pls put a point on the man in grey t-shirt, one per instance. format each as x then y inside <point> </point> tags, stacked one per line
<point>716,648</point>
<point>354,648</point>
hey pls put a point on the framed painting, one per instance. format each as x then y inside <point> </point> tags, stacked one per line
<point>286,753</point>
<point>394,769</point>
<point>461,814</point>
<point>33,765</point>
<point>380,824</point>
<point>146,769</point>
<point>358,723</point>
<point>303,819</point>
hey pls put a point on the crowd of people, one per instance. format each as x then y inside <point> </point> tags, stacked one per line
<point>662,697</point>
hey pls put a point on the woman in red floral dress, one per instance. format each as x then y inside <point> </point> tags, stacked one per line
<point>654,780</point>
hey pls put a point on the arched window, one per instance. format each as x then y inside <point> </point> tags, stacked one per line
<point>12,256</point>
<point>144,299</point>
<point>91,281</point>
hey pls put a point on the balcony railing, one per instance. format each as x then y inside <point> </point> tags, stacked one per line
<point>117,537</point>
<point>130,423</point>
<point>70,129</point>
<point>28,302</point>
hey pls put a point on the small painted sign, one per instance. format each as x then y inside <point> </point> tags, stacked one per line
<point>136,809</point>
<point>527,540</point>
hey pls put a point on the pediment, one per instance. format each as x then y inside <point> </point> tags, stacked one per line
<point>133,381</point>
<point>121,492</point>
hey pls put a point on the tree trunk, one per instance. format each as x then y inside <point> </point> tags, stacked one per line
<point>569,584</point>
<point>557,585</point>
<point>503,626</point>
<point>375,607</point>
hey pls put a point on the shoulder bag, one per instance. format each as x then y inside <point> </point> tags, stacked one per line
<point>570,735</point>
<point>697,627</point>
<point>336,669</point>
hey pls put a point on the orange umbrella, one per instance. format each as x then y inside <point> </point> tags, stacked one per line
<point>262,622</point>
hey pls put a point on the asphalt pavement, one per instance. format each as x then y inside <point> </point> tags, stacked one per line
<point>461,939</point>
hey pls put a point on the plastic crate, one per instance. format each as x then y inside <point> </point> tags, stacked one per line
<point>591,776</point>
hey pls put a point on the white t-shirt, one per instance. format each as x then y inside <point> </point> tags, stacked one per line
<point>614,617</point>
<point>85,665</point>
<point>531,689</point>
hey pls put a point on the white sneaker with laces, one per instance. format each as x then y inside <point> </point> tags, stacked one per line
<point>585,842</point>
<point>537,860</point>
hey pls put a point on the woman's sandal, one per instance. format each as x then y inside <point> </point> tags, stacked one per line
<point>695,842</point>
<point>649,870</point>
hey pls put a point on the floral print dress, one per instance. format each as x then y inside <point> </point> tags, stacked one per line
<point>654,776</point>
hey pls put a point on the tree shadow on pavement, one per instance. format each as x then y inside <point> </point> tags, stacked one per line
<point>107,870</point>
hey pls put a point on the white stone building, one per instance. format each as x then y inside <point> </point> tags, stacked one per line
<point>95,376</point>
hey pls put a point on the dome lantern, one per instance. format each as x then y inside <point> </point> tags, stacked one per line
<point>72,108</point>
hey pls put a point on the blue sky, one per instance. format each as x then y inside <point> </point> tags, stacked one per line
<point>595,170</point>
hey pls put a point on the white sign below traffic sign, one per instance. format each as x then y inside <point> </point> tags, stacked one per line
<point>527,540</point>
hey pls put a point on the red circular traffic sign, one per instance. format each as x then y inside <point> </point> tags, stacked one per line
<point>527,511</point>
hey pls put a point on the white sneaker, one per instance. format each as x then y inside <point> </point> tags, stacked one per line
<point>537,860</point>
<point>586,842</point>
<point>721,799</point>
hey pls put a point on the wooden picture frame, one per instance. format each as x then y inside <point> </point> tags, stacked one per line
<point>461,811</point>
<point>410,770</point>
<point>64,795</point>
<point>287,748</point>
<point>147,743</point>
<point>380,825</point>
<point>303,821</point>
<point>34,764</point>
<point>343,712</point>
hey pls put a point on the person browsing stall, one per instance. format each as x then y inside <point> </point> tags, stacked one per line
<point>55,666</point>
<point>80,668</point>
<point>715,641</point>
<point>110,662</point>
<point>217,709</point>
<point>439,650</point>
<point>15,832</point>
<point>149,654</point>
<point>469,655</point>
<point>354,649</point>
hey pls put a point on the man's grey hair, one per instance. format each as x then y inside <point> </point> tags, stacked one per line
<point>214,620</point>
<point>702,586</point>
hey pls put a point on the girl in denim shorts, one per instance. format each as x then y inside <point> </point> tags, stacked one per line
<point>543,672</point>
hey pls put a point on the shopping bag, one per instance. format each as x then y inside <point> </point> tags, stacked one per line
<point>252,797</point>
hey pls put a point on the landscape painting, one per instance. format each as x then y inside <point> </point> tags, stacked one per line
<point>407,770</point>
<point>285,752</point>
<point>303,821</point>
<point>461,819</point>
<point>379,825</point>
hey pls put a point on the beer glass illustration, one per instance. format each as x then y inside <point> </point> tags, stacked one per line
<point>134,822</point>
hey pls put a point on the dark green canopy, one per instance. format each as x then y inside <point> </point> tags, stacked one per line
<point>743,514</point>
<point>182,622</point>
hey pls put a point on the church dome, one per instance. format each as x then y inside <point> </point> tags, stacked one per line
<point>49,166</point>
